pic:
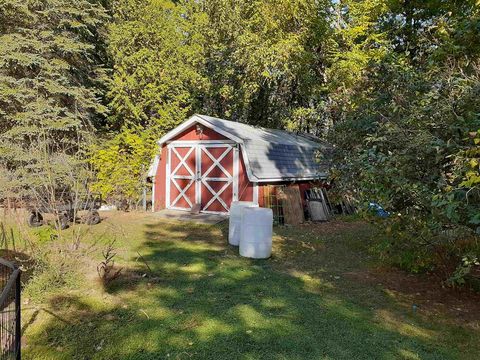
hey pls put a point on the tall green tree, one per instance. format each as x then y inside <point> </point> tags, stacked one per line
<point>266,60</point>
<point>261,62</point>
<point>50,82</point>
<point>157,54</point>
<point>156,49</point>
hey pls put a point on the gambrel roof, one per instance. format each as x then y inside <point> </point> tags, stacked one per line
<point>270,155</point>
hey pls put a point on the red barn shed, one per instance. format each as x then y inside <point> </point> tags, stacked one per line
<point>212,162</point>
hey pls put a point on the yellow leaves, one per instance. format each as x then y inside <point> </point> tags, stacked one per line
<point>121,162</point>
<point>474,134</point>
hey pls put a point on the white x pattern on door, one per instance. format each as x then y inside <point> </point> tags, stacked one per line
<point>200,178</point>
<point>174,176</point>
<point>205,178</point>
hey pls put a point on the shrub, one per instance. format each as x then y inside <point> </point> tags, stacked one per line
<point>49,274</point>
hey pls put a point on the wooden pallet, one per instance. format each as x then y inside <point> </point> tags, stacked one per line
<point>291,204</point>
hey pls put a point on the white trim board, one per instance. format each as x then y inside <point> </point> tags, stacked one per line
<point>190,122</point>
<point>199,176</point>
<point>193,142</point>
<point>255,193</point>
<point>166,139</point>
<point>153,193</point>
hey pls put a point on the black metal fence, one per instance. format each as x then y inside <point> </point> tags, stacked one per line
<point>10,327</point>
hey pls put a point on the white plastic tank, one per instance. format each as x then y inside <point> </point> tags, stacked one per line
<point>256,232</point>
<point>235,220</point>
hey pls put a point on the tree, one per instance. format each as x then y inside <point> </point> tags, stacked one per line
<point>265,60</point>
<point>50,82</point>
<point>402,122</point>
<point>157,54</point>
<point>121,164</point>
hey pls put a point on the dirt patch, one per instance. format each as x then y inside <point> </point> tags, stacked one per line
<point>425,294</point>
<point>333,226</point>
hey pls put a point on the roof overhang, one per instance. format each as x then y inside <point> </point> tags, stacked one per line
<point>192,121</point>
<point>197,119</point>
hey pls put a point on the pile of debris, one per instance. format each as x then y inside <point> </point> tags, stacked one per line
<point>291,207</point>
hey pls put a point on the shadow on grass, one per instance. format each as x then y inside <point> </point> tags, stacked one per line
<point>199,300</point>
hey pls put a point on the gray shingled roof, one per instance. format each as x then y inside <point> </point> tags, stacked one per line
<point>275,155</point>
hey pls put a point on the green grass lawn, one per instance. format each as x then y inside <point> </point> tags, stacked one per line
<point>198,299</point>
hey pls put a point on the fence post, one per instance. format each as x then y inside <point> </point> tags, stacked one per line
<point>18,323</point>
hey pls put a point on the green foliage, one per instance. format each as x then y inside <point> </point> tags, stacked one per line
<point>50,272</point>
<point>264,59</point>
<point>357,42</point>
<point>45,234</point>
<point>253,61</point>
<point>50,81</point>
<point>121,163</point>
<point>468,262</point>
<point>47,264</point>
<point>405,123</point>
<point>157,53</point>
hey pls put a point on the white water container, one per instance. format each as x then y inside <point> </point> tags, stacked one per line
<point>256,232</point>
<point>235,220</point>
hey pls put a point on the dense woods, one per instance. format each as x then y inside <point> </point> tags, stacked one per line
<point>394,85</point>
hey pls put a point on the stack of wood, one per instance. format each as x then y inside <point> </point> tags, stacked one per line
<point>291,204</point>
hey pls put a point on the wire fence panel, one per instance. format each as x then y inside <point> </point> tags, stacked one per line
<point>272,201</point>
<point>10,327</point>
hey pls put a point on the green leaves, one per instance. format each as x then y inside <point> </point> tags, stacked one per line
<point>49,82</point>
<point>404,86</point>
<point>121,163</point>
<point>264,59</point>
<point>157,50</point>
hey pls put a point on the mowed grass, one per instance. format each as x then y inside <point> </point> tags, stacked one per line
<point>185,294</point>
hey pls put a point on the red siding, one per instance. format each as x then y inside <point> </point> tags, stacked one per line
<point>160,180</point>
<point>245,187</point>
<point>191,134</point>
<point>207,134</point>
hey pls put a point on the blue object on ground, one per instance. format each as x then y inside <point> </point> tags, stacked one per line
<point>378,210</point>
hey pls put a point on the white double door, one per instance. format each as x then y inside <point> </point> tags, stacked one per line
<point>204,173</point>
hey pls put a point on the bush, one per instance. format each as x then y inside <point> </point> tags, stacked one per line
<point>46,264</point>
<point>417,244</point>
<point>49,274</point>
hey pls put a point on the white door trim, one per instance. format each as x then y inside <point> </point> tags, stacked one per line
<point>167,179</point>
<point>173,176</point>
<point>199,176</point>
<point>228,180</point>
